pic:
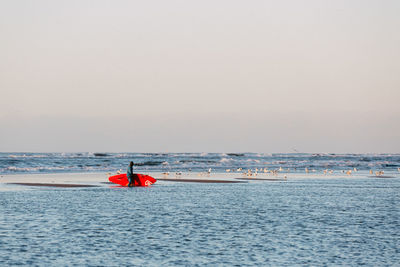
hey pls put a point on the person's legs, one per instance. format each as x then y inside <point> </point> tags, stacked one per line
<point>131,181</point>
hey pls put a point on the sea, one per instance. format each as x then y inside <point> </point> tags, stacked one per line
<point>20,163</point>
<point>314,218</point>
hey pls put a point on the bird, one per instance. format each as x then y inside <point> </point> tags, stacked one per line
<point>249,173</point>
<point>255,173</point>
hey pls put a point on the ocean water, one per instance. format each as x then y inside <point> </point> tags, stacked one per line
<point>196,162</point>
<point>299,222</point>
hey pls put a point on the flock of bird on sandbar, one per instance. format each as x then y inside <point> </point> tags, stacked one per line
<point>275,172</point>
<point>254,173</point>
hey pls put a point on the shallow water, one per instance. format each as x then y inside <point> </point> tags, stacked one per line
<point>319,222</point>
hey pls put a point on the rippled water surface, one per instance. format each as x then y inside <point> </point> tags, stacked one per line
<point>299,222</point>
<point>219,162</point>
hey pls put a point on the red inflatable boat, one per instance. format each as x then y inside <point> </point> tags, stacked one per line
<point>122,179</point>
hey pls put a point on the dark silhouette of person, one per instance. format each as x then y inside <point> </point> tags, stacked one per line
<point>132,177</point>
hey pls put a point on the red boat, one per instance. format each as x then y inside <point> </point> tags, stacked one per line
<point>122,179</point>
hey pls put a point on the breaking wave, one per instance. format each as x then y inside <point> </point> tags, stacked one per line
<point>99,161</point>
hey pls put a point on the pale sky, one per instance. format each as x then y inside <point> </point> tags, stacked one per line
<point>194,76</point>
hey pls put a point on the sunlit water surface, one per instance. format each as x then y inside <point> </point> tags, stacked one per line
<point>323,222</point>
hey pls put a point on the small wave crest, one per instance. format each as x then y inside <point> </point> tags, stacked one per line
<point>27,156</point>
<point>225,160</point>
<point>33,169</point>
<point>149,163</point>
<point>100,154</point>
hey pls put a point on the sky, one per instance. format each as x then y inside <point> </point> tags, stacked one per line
<point>200,76</point>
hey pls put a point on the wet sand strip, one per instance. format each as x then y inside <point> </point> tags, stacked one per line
<point>381,176</point>
<point>261,179</point>
<point>199,181</point>
<point>55,185</point>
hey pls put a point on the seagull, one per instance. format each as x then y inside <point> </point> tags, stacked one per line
<point>249,172</point>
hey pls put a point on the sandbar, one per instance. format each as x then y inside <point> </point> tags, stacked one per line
<point>381,176</point>
<point>199,180</point>
<point>261,179</point>
<point>81,180</point>
<point>55,185</point>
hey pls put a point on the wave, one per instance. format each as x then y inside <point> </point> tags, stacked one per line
<point>225,160</point>
<point>99,161</point>
<point>32,169</point>
<point>235,155</point>
<point>100,154</point>
<point>389,165</point>
<point>27,156</point>
<point>149,163</point>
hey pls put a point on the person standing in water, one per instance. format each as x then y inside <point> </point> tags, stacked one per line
<point>132,177</point>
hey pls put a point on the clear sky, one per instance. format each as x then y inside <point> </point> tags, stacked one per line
<point>213,76</point>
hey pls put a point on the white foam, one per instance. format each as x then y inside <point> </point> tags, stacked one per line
<point>225,160</point>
